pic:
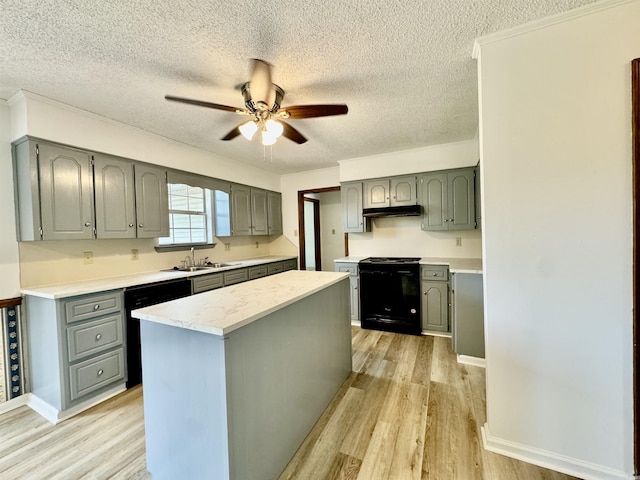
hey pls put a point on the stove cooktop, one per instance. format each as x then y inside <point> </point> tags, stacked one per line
<point>391,260</point>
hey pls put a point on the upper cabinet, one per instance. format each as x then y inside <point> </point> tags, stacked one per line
<point>351,200</point>
<point>274,213</point>
<point>152,201</point>
<point>391,192</point>
<point>56,186</point>
<point>255,211</point>
<point>448,200</point>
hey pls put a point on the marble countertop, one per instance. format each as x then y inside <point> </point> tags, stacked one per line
<point>64,290</point>
<point>456,265</point>
<point>224,310</point>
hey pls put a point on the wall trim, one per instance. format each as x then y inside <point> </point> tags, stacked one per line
<point>473,361</point>
<point>15,403</point>
<point>544,23</point>
<point>546,459</point>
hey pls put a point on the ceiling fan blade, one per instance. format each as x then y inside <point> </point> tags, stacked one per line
<point>232,134</point>
<point>200,103</point>
<point>311,111</point>
<point>261,85</point>
<point>292,134</point>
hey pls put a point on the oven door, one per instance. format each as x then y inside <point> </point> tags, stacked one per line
<point>390,299</point>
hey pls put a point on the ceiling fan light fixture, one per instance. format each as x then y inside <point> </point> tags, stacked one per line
<point>248,129</point>
<point>267,138</point>
<point>274,128</point>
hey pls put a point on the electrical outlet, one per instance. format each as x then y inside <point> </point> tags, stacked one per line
<point>257,244</point>
<point>134,254</point>
<point>333,231</point>
<point>458,241</point>
<point>87,257</point>
<point>227,247</point>
<point>295,233</point>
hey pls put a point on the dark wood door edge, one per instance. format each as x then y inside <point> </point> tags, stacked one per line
<point>635,126</point>
<point>10,302</point>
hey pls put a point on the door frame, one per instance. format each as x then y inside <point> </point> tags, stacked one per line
<point>316,233</point>
<point>635,128</point>
<point>301,235</point>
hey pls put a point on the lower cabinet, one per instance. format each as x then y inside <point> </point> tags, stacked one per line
<point>468,314</point>
<point>76,351</point>
<point>352,269</point>
<point>434,282</point>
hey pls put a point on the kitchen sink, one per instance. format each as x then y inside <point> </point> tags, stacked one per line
<point>188,269</point>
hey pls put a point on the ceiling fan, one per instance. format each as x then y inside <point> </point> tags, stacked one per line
<point>262,101</point>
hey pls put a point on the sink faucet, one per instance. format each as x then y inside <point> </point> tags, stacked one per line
<point>193,257</point>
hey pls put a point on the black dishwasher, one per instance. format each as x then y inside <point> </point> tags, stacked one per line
<point>145,296</point>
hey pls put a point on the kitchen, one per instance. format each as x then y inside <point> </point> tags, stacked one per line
<point>542,261</point>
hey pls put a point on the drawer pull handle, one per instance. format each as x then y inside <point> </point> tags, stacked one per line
<point>96,306</point>
<point>98,336</point>
<point>100,372</point>
<point>435,274</point>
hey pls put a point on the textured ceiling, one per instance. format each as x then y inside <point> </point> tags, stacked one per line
<point>403,67</point>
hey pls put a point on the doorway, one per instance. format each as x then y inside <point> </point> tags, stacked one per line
<point>635,126</point>
<point>319,230</point>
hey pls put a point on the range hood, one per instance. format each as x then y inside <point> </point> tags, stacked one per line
<point>404,211</point>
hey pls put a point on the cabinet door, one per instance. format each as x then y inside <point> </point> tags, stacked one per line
<point>274,213</point>
<point>152,202</point>
<point>476,175</point>
<point>435,306</point>
<point>114,191</point>
<point>355,299</point>
<point>259,223</point>
<point>351,199</point>
<point>66,193</point>
<point>461,201</point>
<point>403,191</point>
<point>240,210</point>
<point>376,193</point>
<point>433,197</point>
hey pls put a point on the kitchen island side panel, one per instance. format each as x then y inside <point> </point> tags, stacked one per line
<point>239,406</point>
<point>185,405</point>
<point>283,371</point>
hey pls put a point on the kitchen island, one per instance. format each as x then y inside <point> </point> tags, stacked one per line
<point>235,378</point>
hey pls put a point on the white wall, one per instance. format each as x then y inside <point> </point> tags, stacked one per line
<point>556,171</point>
<point>9,270</point>
<point>332,238</point>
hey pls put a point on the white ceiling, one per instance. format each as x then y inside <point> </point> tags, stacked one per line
<point>403,67</point>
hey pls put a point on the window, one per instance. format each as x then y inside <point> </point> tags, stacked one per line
<point>190,216</point>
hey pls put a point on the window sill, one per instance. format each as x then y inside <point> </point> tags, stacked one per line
<point>178,247</point>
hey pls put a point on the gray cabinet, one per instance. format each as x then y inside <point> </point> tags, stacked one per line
<point>56,187</point>
<point>258,271</point>
<point>351,205</point>
<point>390,192</point>
<point>76,351</point>
<point>152,201</point>
<point>290,264</point>
<point>448,200</point>
<point>476,173</point>
<point>114,197</point>
<point>468,314</point>
<point>352,270</point>
<point>434,284</point>
<point>204,283</point>
<point>239,275</point>
<point>250,211</point>
<point>274,213</point>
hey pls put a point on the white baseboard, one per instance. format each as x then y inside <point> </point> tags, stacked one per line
<point>474,361</point>
<point>436,334</point>
<point>53,415</point>
<point>355,323</point>
<point>553,461</point>
<point>15,403</point>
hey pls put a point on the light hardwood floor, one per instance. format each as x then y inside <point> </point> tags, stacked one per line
<point>407,411</point>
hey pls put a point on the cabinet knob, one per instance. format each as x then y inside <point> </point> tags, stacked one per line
<point>446,220</point>
<point>96,306</point>
<point>100,372</point>
<point>435,274</point>
<point>140,225</point>
<point>98,336</point>
<point>131,225</point>
<point>87,224</point>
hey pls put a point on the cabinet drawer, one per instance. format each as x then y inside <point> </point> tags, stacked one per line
<point>90,375</point>
<point>291,264</point>
<point>435,272</point>
<point>96,336</point>
<point>274,268</point>
<point>350,268</point>
<point>257,272</point>
<point>236,276</point>
<point>206,282</point>
<point>91,306</point>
